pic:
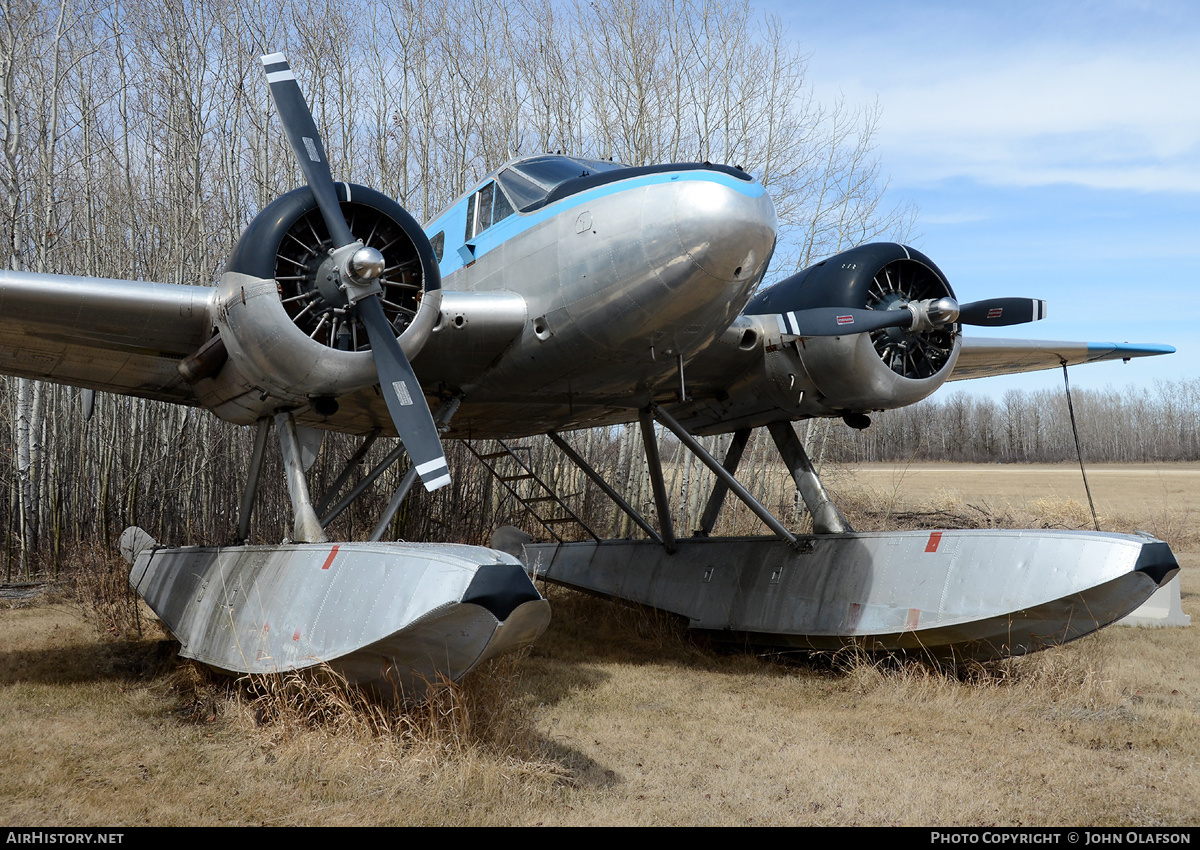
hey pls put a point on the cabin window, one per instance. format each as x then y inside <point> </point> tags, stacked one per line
<point>439,244</point>
<point>488,206</point>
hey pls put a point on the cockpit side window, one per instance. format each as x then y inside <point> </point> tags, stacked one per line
<point>530,182</point>
<point>488,206</point>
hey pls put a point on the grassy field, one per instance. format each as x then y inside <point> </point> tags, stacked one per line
<point>1161,498</point>
<point>615,717</point>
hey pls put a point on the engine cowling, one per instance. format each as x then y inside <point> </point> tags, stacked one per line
<point>882,369</point>
<point>289,334</point>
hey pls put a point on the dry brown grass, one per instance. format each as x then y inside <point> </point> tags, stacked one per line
<point>1163,498</point>
<point>617,717</point>
<point>1077,674</point>
<point>487,712</point>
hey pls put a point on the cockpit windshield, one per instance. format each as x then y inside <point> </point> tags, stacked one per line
<point>530,182</point>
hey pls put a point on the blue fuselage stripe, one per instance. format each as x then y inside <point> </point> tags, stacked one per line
<point>453,222</point>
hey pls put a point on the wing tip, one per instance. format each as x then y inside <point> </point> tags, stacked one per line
<point>1131,349</point>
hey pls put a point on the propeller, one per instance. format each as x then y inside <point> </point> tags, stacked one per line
<point>359,268</point>
<point>998,312</point>
<point>913,316</point>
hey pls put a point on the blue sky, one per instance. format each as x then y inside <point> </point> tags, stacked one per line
<point>1053,149</point>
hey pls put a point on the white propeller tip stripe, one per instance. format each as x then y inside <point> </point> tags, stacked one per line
<point>429,466</point>
<point>436,483</point>
<point>273,58</point>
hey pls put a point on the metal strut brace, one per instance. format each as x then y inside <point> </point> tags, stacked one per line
<point>599,481</point>
<point>256,461</point>
<point>827,519</point>
<point>307,528</point>
<point>406,483</point>
<point>357,490</point>
<point>347,471</point>
<point>733,459</point>
<point>654,463</point>
<point>440,417</point>
<point>1078,450</point>
<point>723,475</point>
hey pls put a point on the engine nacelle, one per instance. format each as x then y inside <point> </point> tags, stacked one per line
<point>882,369</point>
<point>283,320</point>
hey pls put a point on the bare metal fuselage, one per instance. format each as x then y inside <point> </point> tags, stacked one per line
<point>612,291</point>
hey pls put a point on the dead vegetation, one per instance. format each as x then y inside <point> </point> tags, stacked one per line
<point>1162,499</point>
<point>99,583</point>
<point>1077,673</point>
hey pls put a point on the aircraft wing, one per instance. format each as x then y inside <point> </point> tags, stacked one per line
<point>118,336</point>
<point>983,358</point>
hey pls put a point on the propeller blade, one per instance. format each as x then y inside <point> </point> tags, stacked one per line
<point>842,321</point>
<point>405,401</point>
<point>306,144</point>
<point>998,312</point>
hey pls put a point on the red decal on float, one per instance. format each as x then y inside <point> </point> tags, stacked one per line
<point>329,560</point>
<point>855,614</point>
<point>934,539</point>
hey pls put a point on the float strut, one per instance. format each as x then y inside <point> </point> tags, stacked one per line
<point>256,462</point>
<point>654,463</point>
<point>723,475</point>
<point>307,528</point>
<point>827,519</point>
<point>716,498</point>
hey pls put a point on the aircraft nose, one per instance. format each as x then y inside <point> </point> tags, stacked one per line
<point>728,230</point>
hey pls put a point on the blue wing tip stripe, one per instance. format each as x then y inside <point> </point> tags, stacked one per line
<point>1129,349</point>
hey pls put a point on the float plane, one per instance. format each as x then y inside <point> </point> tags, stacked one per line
<point>560,294</point>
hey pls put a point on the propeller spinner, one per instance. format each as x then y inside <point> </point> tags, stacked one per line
<point>359,268</point>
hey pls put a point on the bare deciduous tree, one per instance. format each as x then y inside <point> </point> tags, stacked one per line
<point>137,139</point>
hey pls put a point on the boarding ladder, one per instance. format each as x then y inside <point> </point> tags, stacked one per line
<point>526,486</point>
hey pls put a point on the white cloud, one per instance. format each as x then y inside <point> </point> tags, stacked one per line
<point>1115,111</point>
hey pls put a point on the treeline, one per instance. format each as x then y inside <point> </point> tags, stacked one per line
<point>138,138</point>
<point>179,472</point>
<point>1157,423</point>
